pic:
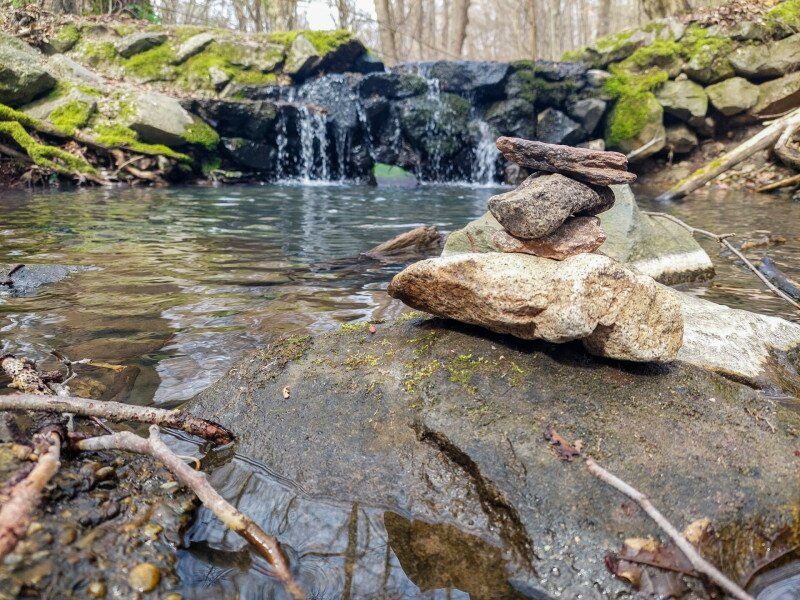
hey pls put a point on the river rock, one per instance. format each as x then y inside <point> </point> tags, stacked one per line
<point>588,112</point>
<point>765,61</point>
<point>481,79</point>
<point>194,45</point>
<point>554,127</point>
<point>23,280</point>
<point>591,166</point>
<point>733,96</point>
<point>136,43</point>
<point>442,423</point>
<point>685,99</point>
<point>392,85</point>
<point>159,119</point>
<point>778,96</point>
<point>576,236</point>
<point>681,139</point>
<point>541,204</point>
<point>253,119</point>
<point>615,312</point>
<point>23,75</point>
<point>512,117</point>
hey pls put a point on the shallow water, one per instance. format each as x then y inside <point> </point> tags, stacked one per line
<point>185,280</point>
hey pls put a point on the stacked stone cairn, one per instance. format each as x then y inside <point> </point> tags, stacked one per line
<point>545,280</point>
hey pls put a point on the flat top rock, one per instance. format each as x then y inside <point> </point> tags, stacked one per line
<point>592,166</point>
<point>443,423</point>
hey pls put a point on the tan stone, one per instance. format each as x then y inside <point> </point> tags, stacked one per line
<point>576,236</point>
<point>589,297</point>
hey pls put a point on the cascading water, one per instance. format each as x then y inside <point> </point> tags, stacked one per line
<point>486,155</point>
<point>314,159</point>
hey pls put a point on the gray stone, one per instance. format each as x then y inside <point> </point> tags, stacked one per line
<point>732,96</point>
<point>651,245</point>
<point>218,77</point>
<point>602,55</point>
<point>598,145</point>
<point>482,79</point>
<point>445,429</point>
<point>302,57</point>
<point>42,109</point>
<point>597,77</point>
<point>587,297</point>
<point>255,56</point>
<point>250,154</point>
<point>541,204</point>
<point>710,66</point>
<point>681,139</point>
<point>23,75</point>
<point>578,235</point>
<point>778,96</point>
<point>159,119</point>
<point>514,117</point>
<point>683,99</point>
<point>136,43</point>
<point>395,86</point>
<point>749,30</point>
<point>554,127</point>
<point>194,45</point>
<point>588,112</point>
<point>16,280</point>
<point>65,68</point>
<point>766,61</point>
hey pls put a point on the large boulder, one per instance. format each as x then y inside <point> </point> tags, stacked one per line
<point>684,99</point>
<point>194,45</point>
<point>251,119</point>
<point>513,117</point>
<point>158,119</point>
<point>554,127</point>
<point>301,57</point>
<point>588,112</point>
<point>778,96</point>
<point>541,204</point>
<point>710,64</point>
<point>428,436</point>
<point>23,75</point>
<point>64,68</point>
<point>765,61</point>
<point>395,86</point>
<point>733,96</point>
<point>438,127</point>
<point>250,154</point>
<point>649,245</point>
<point>613,311</point>
<point>484,80</point>
<point>635,126</point>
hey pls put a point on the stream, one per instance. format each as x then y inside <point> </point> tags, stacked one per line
<point>181,282</point>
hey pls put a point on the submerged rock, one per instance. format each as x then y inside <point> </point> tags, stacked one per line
<point>587,297</point>
<point>541,204</point>
<point>21,280</point>
<point>576,236</point>
<point>442,423</point>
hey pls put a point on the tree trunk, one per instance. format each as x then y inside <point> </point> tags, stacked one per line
<point>460,23</point>
<point>534,36</point>
<point>383,10</point>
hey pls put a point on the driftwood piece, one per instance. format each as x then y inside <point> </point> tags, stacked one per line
<point>591,166</point>
<point>764,139</point>
<point>24,375</point>
<point>24,497</point>
<point>115,411</point>
<point>723,239</point>
<point>788,182</point>
<point>266,545</point>
<point>419,241</point>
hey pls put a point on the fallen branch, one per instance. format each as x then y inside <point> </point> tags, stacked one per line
<point>266,545</point>
<point>723,239</point>
<point>786,154</point>
<point>788,182</point>
<point>15,514</point>
<point>700,564</point>
<point>115,411</point>
<point>766,138</point>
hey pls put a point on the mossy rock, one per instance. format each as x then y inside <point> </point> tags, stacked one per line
<point>707,55</point>
<point>634,121</point>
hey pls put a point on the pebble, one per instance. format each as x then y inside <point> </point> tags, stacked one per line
<point>67,536</point>
<point>97,589</point>
<point>144,577</point>
<point>104,473</point>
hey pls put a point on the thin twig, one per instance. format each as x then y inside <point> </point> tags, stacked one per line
<point>700,564</point>
<point>723,239</point>
<point>266,545</point>
<point>776,185</point>
<point>115,411</point>
<point>15,514</point>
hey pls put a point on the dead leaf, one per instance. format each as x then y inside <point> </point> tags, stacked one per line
<point>697,531</point>
<point>564,449</point>
<point>372,328</point>
<point>648,551</point>
<point>286,393</point>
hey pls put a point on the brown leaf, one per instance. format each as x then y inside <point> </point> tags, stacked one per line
<point>286,393</point>
<point>648,551</point>
<point>563,448</point>
<point>372,328</point>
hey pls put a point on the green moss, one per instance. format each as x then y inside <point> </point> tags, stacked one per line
<point>461,370</point>
<point>152,64</point>
<point>89,91</point>
<point>613,42</point>
<point>703,48</point>
<point>354,327</point>
<point>786,13</point>
<point>9,114</point>
<point>284,38</point>
<point>658,54</point>
<point>525,84</point>
<point>624,83</point>
<point>125,29</point>
<point>201,134</point>
<point>255,78</point>
<point>577,55</point>
<point>184,32</point>
<point>211,165</point>
<point>71,116</point>
<point>326,42</point>
<point>67,36</point>
<point>98,53</point>
<point>418,375</point>
<point>62,89</point>
<point>118,135</point>
<point>630,115</point>
<point>45,156</point>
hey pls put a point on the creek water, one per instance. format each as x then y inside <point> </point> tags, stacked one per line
<point>183,281</point>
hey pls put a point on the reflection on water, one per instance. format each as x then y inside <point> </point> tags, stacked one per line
<point>189,279</point>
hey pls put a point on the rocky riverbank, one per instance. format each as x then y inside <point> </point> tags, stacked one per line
<point>197,103</point>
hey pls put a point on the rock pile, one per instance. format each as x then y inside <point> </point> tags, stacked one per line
<point>544,283</point>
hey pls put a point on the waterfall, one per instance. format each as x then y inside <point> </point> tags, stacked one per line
<point>486,155</point>
<point>314,159</point>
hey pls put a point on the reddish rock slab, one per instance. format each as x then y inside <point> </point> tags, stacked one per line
<point>580,235</point>
<point>590,166</point>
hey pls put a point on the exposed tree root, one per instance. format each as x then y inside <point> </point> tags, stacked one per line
<point>24,497</point>
<point>266,545</point>
<point>117,412</point>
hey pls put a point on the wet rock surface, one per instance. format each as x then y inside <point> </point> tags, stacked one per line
<point>442,423</point>
<point>21,280</point>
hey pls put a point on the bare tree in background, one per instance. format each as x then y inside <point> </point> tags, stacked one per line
<point>460,23</point>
